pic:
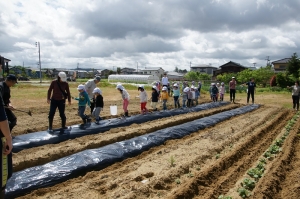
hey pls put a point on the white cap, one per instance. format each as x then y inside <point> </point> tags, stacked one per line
<point>192,87</point>
<point>80,87</point>
<point>222,83</point>
<point>233,77</point>
<point>119,86</point>
<point>186,89</point>
<point>141,86</point>
<point>62,76</point>
<point>164,88</point>
<point>97,90</point>
<point>213,84</point>
<point>176,85</point>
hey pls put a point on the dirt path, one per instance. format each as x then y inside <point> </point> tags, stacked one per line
<point>185,167</point>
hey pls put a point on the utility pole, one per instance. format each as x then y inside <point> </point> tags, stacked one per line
<point>190,66</point>
<point>254,64</point>
<point>268,60</point>
<point>37,44</point>
<point>137,67</point>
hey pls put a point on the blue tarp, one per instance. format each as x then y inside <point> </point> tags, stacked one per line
<point>96,159</point>
<point>36,139</point>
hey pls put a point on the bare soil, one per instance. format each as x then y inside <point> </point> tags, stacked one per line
<point>205,164</point>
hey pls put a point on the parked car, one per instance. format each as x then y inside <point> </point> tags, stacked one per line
<point>23,79</point>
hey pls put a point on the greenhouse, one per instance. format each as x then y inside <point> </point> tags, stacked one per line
<point>138,79</point>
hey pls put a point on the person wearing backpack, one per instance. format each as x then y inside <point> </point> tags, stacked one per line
<point>58,93</point>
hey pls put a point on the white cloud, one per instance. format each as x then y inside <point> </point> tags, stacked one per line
<point>102,34</point>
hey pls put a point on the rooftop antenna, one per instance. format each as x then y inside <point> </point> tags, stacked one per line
<point>268,60</point>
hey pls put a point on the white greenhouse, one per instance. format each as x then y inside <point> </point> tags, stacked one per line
<point>138,79</point>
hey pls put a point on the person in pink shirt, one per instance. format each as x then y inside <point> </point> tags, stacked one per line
<point>232,85</point>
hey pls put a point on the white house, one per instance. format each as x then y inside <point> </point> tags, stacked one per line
<point>175,76</point>
<point>158,71</point>
<point>204,68</point>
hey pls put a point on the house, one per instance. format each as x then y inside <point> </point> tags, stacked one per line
<point>82,74</point>
<point>281,65</point>
<point>127,70</point>
<point>230,67</point>
<point>175,76</point>
<point>204,68</point>
<point>158,71</point>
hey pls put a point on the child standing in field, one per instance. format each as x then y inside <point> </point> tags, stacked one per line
<point>164,97</point>
<point>143,99</point>
<point>176,94</point>
<point>193,96</point>
<point>83,100</point>
<point>185,96</point>
<point>154,98</point>
<point>125,97</point>
<point>214,92</point>
<point>222,91</point>
<point>98,104</point>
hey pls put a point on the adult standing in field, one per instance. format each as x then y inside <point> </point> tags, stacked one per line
<point>89,86</point>
<point>10,81</point>
<point>251,89</point>
<point>60,92</point>
<point>165,80</point>
<point>6,146</point>
<point>295,95</point>
<point>232,85</point>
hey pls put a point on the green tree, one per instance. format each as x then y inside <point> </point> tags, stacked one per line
<point>263,75</point>
<point>283,80</point>
<point>192,75</point>
<point>226,77</point>
<point>294,66</point>
<point>244,76</point>
<point>176,69</point>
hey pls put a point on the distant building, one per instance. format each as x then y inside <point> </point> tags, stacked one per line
<point>127,70</point>
<point>229,67</point>
<point>158,71</point>
<point>204,68</point>
<point>280,65</point>
<point>175,76</point>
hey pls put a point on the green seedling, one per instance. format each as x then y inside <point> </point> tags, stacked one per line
<point>172,161</point>
<point>217,156</point>
<point>244,193</point>
<point>279,142</point>
<point>198,168</point>
<point>274,149</point>
<point>190,175</point>
<point>224,197</point>
<point>261,166</point>
<point>263,160</point>
<point>267,154</point>
<point>248,184</point>
<point>255,173</point>
<point>177,181</point>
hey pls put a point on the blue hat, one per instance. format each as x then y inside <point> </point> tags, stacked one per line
<point>12,78</point>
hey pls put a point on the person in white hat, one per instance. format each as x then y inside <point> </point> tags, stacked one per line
<point>125,97</point>
<point>176,94</point>
<point>83,100</point>
<point>222,91</point>
<point>164,97</point>
<point>143,99</point>
<point>232,85</point>
<point>154,98</point>
<point>98,104</point>
<point>89,86</point>
<point>60,91</point>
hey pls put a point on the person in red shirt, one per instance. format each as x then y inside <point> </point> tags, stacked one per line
<point>60,92</point>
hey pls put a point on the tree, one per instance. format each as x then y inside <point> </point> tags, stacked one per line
<point>118,70</point>
<point>263,75</point>
<point>226,77</point>
<point>244,76</point>
<point>283,80</point>
<point>293,66</point>
<point>176,69</point>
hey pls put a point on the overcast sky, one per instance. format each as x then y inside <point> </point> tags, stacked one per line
<point>161,33</point>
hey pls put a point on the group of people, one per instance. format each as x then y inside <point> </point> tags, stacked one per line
<point>88,94</point>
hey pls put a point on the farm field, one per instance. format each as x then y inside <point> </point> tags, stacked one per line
<point>205,164</point>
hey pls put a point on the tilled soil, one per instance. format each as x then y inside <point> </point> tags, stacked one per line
<point>204,164</point>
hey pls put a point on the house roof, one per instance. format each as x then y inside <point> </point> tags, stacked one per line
<point>128,69</point>
<point>175,74</point>
<point>234,63</point>
<point>151,68</point>
<point>203,66</point>
<point>282,61</point>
